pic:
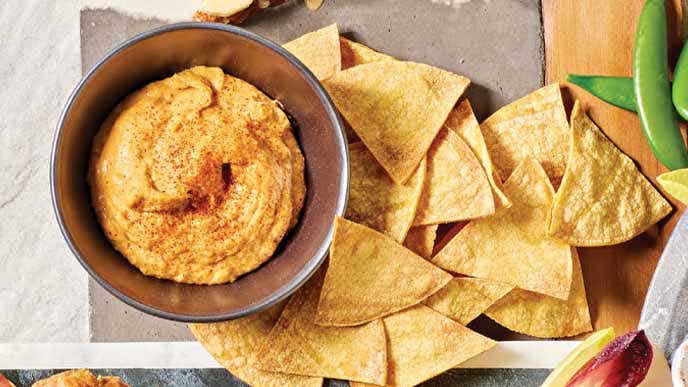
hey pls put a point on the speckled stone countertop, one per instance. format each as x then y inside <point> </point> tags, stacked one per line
<point>222,378</point>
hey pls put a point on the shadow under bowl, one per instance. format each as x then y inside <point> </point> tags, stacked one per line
<point>155,55</point>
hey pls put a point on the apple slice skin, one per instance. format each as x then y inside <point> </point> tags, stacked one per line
<point>4,382</point>
<point>622,363</point>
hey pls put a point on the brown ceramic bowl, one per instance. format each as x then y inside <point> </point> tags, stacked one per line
<point>155,55</point>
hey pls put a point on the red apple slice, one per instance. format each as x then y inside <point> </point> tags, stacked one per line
<point>622,363</point>
<point>4,382</point>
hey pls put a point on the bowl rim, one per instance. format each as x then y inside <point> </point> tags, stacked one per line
<point>311,266</point>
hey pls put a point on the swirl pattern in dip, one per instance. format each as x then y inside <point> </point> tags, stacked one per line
<point>197,178</point>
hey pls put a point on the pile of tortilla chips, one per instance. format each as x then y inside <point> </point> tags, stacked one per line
<point>387,311</point>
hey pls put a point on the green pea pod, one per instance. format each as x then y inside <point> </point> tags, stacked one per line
<point>680,88</point>
<point>652,88</point>
<point>617,91</point>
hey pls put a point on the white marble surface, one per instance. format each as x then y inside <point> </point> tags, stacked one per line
<point>43,290</point>
<point>506,354</point>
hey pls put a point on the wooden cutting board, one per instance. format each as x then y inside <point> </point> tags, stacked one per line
<point>596,37</point>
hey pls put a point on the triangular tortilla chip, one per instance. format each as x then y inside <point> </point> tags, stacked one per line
<point>456,187</point>
<point>351,136</point>
<point>297,345</point>
<point>542,316</point>
<point>77,378</point>
<point>234,344</point>
<point>448,234</point>
<point>422,344</point>
<point>535,126</point>
<point>371,276</point>
<point>421,240</point>
<point>375,200</point>
<point>354,54</point>
<point>396,108</point>
<point>603,198</point>
<point>462,121</point>
<point>319,51</point>
<point>464,298</point>
<point>512,246</point>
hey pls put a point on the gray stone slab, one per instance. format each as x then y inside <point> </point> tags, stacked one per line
<point>111,319</point>
<point>497,44</point>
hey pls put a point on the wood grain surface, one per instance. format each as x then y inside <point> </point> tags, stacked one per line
<point>596,37</point>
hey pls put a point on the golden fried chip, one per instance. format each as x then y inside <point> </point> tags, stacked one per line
<point>354,54</point>
<point>603,198</point>
<point>319,51</point>
<point>74,378</point>
<point>351,136</point>
<point>375,200</point>
<point>535,126</point>
<point>234,344</point>
<point>462,121</point>
<point>456,187</point>
<point>512,246</point>
<point>79,377</point>
<point>422,344</point>
<point>371,276</point>
<point>421,240</point>
<point>543,316</point>
<point>464,298</point>
<point>396,108</point>
<point>297,345</point>
<point>111,381</point>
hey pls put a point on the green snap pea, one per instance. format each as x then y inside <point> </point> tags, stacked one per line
<point>680,87</point>
<point>652,88</point>
<point>617,91</point>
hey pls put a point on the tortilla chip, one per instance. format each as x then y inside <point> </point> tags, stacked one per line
<point>234,344</point>
<point>78,378</point>
<point>319,51</point>
<point>354,54</point>
<point>396,108</point>
<point>371,276</point>
<point>351,136</point>
<point>375,200</point>
<point>73,378</point>
<point>535,126</point>
<point>603,198</point>
<point>456,187</point>
<point>422,344</point>
<point>297,346</point>
<point>542,316</point>
<point>462,121</point>
<point>464,298</point>
<point>421,240</point>
<point>512,246</point>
